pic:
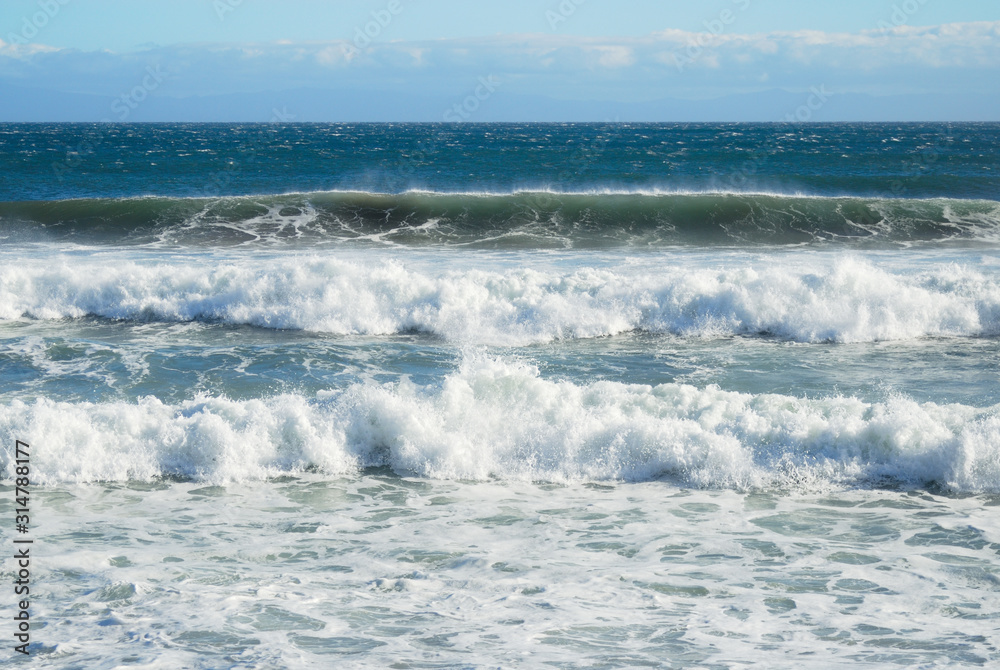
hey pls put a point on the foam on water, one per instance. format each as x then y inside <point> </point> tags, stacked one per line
<point>848,300</point>
<point>372,571</point>
<point>704,497</point>
<point>599,218</point>
<point>493,418</point>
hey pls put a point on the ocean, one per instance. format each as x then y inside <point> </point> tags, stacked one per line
<point>502,395</point>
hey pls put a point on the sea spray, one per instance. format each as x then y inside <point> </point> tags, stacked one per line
<point>596,219</point>
<point>498,418</point>
<point>844,300</point>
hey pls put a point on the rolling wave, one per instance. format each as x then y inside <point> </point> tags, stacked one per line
<point>843,300</point>
<point>504,220</point>
<point>495,418</point>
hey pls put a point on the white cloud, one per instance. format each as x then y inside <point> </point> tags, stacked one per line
<point>614,56</point>
<point>956,45</point>
<point>24,51</point>
<point>333,55</point>
<point>657,65</point>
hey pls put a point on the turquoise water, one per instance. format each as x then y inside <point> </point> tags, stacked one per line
<point>505,395</point>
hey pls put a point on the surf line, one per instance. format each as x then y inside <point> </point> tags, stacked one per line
<point>22,546</point>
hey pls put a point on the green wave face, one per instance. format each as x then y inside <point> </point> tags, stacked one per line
<point>516,220</point>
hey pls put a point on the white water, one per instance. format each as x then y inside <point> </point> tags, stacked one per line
<point>838,299</point>
<point>493,418</point>
<point>372,571</point>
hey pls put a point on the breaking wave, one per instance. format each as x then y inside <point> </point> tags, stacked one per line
<point>495,418</point>
<point>511,220</point>
<point>846,300</point>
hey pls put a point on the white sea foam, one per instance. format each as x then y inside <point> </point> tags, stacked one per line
<point>847,300</point>
<point>495,418</point>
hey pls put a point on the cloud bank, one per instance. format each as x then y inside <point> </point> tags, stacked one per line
<point>955,60</point>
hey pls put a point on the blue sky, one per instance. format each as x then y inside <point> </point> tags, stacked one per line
<point>121,25</point>
<point>541,60</point>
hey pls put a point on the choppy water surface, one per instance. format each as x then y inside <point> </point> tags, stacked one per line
<point>505,395</point>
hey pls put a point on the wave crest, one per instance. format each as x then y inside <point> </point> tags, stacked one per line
<point>847,301</point>
<point>542,219</point>
<point>499,419</point>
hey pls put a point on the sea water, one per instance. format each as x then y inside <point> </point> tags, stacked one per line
<point>511,395</point>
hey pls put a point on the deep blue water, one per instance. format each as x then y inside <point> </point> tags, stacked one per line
<point>59,161</point>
